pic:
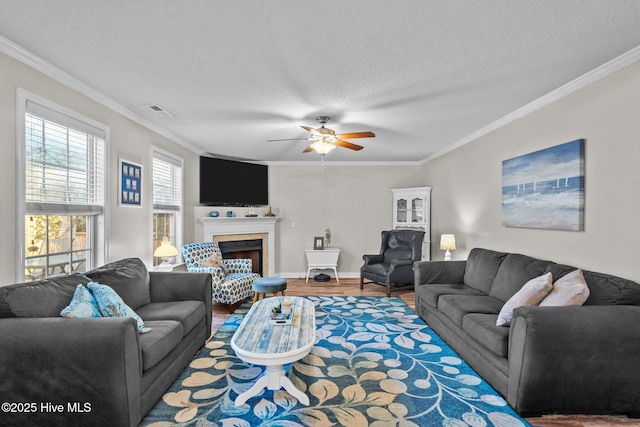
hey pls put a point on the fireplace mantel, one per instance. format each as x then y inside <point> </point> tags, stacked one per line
<point>222,226</point>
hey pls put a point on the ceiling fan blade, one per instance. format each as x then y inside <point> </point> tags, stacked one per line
<point>288,139</point>
<point>348,145</point>
<point>312,131</point>
<point>308,149</point>
<point>356,135</point>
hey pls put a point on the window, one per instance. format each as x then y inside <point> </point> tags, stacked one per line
<point>62,190</point>
<point>167,200</point>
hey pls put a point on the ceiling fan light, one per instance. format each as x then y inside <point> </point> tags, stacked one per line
<point>322,147</point>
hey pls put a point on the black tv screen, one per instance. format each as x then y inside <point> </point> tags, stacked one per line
<point>232,183</point>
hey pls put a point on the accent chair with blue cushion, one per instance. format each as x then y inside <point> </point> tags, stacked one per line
<point>232,278</point>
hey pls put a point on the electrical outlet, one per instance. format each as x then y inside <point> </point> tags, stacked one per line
<point>293,224</point>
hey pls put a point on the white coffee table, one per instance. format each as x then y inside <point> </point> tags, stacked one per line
<point>259,342</point>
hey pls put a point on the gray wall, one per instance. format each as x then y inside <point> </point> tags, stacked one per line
<point>130,229</point>
<point>466,195</point>
<point>353,201</point>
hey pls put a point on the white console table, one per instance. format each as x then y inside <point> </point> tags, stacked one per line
<point>324,259</point>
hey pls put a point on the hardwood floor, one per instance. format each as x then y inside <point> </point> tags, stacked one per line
<point>351,287</point>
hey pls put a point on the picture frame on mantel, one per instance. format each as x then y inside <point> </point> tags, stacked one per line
<point>129,184</point>
<point>318,243</point>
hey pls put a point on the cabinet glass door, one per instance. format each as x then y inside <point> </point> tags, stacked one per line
<point>417,210</point>
<point>401,210</point>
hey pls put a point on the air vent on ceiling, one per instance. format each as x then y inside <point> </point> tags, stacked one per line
<point>159,110</point>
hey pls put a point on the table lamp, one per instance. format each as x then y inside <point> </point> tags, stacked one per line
<point>447,243</point>
<point>166,252</point>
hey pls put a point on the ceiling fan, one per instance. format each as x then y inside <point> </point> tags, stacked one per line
<point>325,139</point>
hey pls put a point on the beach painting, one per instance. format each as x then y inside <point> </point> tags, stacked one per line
<point>545,189</point>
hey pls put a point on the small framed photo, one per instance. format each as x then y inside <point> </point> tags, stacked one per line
<point>130,183</point>
<point>318,243</point>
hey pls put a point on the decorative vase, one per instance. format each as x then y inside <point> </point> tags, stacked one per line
<point>214,214</point>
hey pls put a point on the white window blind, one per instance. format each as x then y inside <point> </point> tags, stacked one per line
<point>167,182</point>
<point>64,163</point>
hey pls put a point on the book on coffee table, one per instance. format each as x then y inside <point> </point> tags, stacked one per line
<point>280,319</point>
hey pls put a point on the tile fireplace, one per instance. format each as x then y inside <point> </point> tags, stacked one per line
<point>240,233</point>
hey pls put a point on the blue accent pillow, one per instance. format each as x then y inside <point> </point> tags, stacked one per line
<point>82,304</point>
<point>111,305</point>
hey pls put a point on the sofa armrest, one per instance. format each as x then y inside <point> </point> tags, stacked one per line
<point>439,272</point>
<point>575,360</point>
<point>373,259</point>
<point>168,286</point>
<point>92,367</point>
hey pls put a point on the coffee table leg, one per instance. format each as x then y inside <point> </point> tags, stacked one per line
<point>295,391</point>
<point>257,388</point>
<point>274,379</point>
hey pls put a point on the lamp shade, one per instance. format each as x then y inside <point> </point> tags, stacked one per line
<point>448,242</point>
<point>165,249</point>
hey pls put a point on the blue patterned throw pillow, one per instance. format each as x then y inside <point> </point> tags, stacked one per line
<point>82,304</point>
<point>111,305</point>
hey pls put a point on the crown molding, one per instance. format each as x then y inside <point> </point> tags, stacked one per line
<point>19,53</point>
<point>338,163</point>
<point>630,57</point>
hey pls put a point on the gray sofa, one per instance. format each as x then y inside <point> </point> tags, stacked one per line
<point>583,359</point>
<point>101,370</point>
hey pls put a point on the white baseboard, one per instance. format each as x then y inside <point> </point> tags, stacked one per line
<point>303,275</point>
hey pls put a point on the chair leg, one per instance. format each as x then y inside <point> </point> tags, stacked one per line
<point>361,282</point>
<point>255,297</point>
<point>388,290</point>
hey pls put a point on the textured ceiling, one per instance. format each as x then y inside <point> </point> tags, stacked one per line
<point>422,75</point>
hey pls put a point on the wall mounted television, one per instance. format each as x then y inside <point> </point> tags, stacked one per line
<point>233,183</point>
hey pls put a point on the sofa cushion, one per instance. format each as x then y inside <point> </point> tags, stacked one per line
<point>44,298</point>
<point>606,289</point>
<point>514,272</point>
<point>431,292</point>
<point>128,277</point>
<point>455,307</point>
<point>188,313</point>
<point>157,343</point>
<point>111,305</point>
<point>481,268</point>
<point>530,294</point>
<point>569,290</point>
<point>482,327</point>
<point>82,305</point>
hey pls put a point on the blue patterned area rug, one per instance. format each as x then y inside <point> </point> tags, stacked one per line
<point>375,363</point>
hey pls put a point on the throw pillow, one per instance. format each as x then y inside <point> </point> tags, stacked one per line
<point>216,261</point>
<point>111,305</point>
<point>569,290</point>
<point>83,304</point>
<point>530,294</point>
<point>129,277</point>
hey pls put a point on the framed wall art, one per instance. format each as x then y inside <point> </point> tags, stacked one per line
<point>545,189</point>
<point>318,243</point>
<point>130,184</point>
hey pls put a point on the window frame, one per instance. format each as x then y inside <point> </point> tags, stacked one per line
<point>99,222</point>
<point>162,155</point>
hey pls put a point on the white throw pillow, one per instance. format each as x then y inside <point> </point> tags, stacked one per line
<point>569,290</point>
<point>530,294</point>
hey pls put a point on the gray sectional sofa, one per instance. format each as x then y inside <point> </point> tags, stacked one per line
<point>100,370</point>
<point>578,359</point>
